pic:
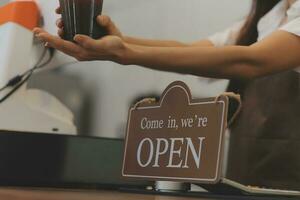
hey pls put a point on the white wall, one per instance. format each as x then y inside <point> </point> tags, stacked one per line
<point>185,20</point>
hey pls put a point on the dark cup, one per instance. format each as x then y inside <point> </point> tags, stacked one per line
<point>79,17</point>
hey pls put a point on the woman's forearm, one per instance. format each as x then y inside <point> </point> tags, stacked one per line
<point>226,62</point>
<point>165,43</point>
<point>153,43</point>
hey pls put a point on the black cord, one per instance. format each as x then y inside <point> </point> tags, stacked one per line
<point>20,80</point>
<point>17,79</point>
<point>14,89</point>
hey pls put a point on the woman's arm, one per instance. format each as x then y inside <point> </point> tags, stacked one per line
<point>153,43</point>
<point>164,43</point>
<point>279,52</point>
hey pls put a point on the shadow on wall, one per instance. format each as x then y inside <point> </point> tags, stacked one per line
<point>71,92</point>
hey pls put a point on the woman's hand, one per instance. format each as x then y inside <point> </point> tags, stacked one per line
<point>102,20</point>
<point>110,48</point>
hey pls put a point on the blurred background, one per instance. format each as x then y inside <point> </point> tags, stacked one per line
<point>100,93</point>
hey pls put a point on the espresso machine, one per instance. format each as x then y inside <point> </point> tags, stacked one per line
<point>21,55</point>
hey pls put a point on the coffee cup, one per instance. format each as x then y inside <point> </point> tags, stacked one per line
<point>79,17</point>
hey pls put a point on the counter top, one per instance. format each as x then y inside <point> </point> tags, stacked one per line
<point>59,194</point>
<point>31,194</point>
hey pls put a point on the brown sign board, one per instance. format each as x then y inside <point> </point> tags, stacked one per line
<point>177,138</point>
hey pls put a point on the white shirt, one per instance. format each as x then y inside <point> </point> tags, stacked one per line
<point>271,22</point>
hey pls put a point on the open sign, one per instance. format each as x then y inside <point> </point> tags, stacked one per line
<point>155,151</point>
<point>177,138</point>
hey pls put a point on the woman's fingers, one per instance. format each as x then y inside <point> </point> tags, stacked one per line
<point>58,10</point>
<point>67,47</point>
<point>37,31</point>
<point>86,42</point>
<point>84,47</point>
<point>60,33</point>
<point>104,20</point>
<point>109,25</point>
<point>59,23</point>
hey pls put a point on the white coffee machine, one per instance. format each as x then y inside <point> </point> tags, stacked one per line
<point>23,109</point>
